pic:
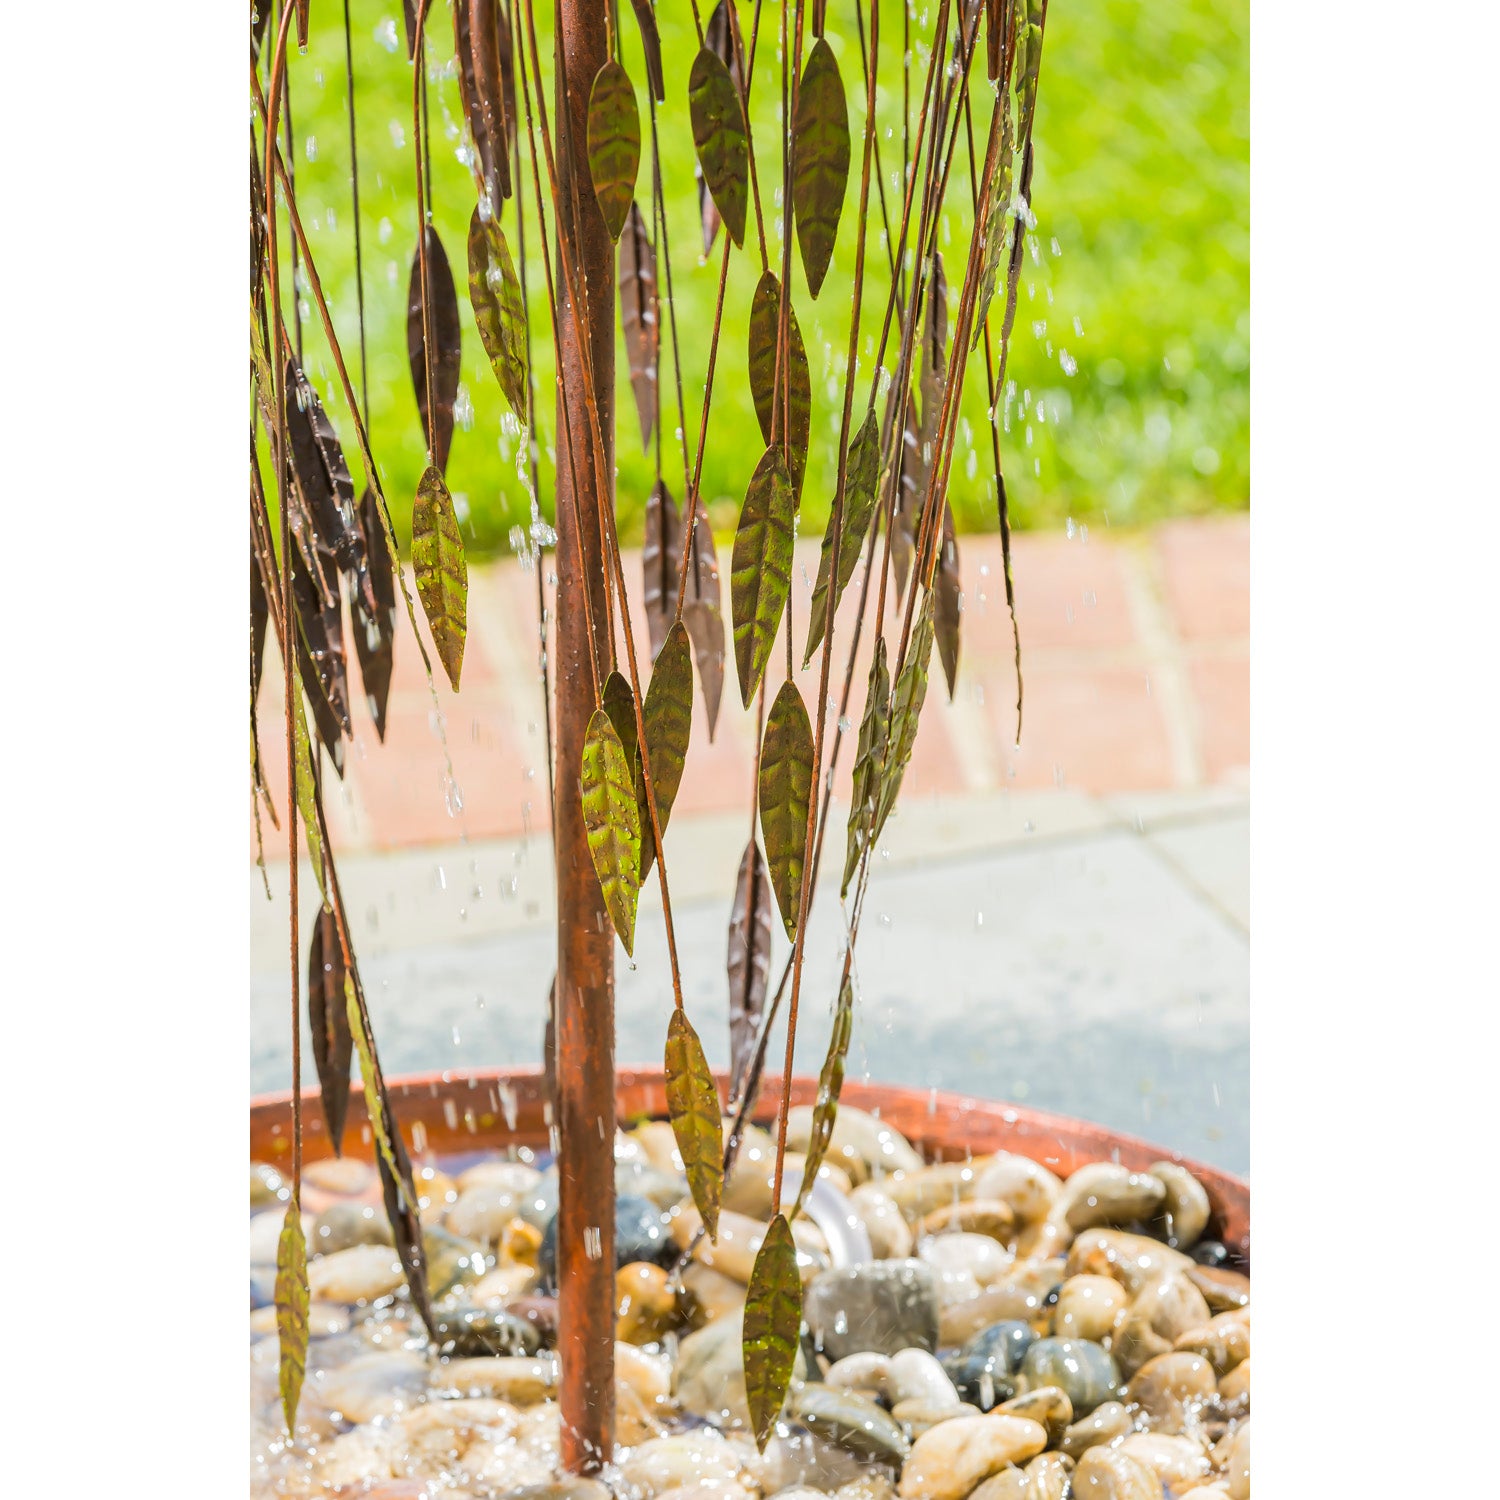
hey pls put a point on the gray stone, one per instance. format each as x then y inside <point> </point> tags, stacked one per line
<point>849,1421</point>
<point>709,1379</point>
<point>341,1225</point>
<point>1086,1372</point>
<point>466,1331</point>
<point>885,1306</point>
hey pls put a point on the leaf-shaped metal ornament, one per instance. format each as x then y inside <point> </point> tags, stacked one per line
<point>697,1123</point>
<point>749,961</point>
<point>495,295</point>
<point>481,40</point>
<point>906,711</point>
<point>999,224</point>
<point>874,732</point>
<point>409,18</point>
<point>380,1126</point>
<point>701,613</point>
<point>830,1084</point>
<point>328,1021</point>
<point>307,804</point>
<point>668,716</point>
<point>317,603</point>
<point>651,43</point>
<point>661,552</point>
<point>772,1327</point>
<point>934,380</point>
<point>614,144</point>
<point>761,569</point>
<point>437,558</point>
<point>910,477</point>
<point>619,704</point>
<point>260,620</point>
<point>446,353</point>
<point>861,481</point>
<point>947,589</point>
<point>786,778</point>
<point>292,1299</point>
<point>820,172</point>
<point>719,136</point>
<point>639,317</point>
<point>720,40</point>
<point>765,317</point>
<point>375,631</point>
<point>613,823</point>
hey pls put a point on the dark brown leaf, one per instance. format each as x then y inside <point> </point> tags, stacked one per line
<point>639,317</point>
<point>719,137</point>
<point>619,704</point>
<point>697,1122</point>
<point>260,620</point>
<point>446,353</point>
<point>909,475</point>
<point>705,628</point>
<point>869,758</point>
<point>646,19</point>
<point>409,16</point>
<point>614,144</point>
<point>320,647</point>
<point>948,607</point>
<point>934,357</point>
<point>997,35</point>
<point>772,1326</point>
<point>762,567</point>
<point>661,553</point>
<point>749,961</point>
<point>820,162</point>
<point>328,1020</point>
<point>375,631</point>
<point>786,778</point>
<point>481,38</point>
<point>718,37</point>
<point>765,322</point>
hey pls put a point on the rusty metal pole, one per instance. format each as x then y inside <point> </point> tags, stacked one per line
<point>585,940</point>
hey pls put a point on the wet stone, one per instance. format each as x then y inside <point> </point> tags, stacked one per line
<point>466,1331</point>
<point>1047,1404</point>
<point>1171,1387</point>
<point>1222,1288</point>
<point>341,1225</point>
<point>882,1307</point>
<point>1183,1215</point>
<point>540,1312</point>
<point>917,1416</point>
<point>374,1385</point>
<point>1083,1369</point>
<point>640,1235</point>
<point>1210,1253</point>
<point>1110,1474</point>
<point>519,1380</point>
<point>950,1460</point>
<point>362,1273</point>
<point>849,1421</point>
<point>267,1186</point>
<point>452,1261</point>
<point>343,1175</point>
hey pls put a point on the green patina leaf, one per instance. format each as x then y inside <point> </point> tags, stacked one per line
<point>821,162</point>
<point>874,731</point>
<point>906,709</point>
<point>495,295</point>
<point>786,778</point>
<point>374,1099</point>
<point>772,1326</point>
<point>668,713</point>
<point>437,557</point>
<point>613,822</point>
<point>861,483</point>
<point>719,136</point>
<point>761,567</point>
<point>614,144</point>
<point>292,1298</point>
<point>307,803</point>
<point>947,588</point>
<point>830,1083</point>
<point>765,315</point>
<point>693,1107</point>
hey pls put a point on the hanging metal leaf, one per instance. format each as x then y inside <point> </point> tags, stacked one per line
<point>697,1123</point>
<point>409,16</point>
<point>997,34</point>
<point>869,758</point>
<point>947,589</point>
<point>499,311</point>
<point>328,1021</point>
<point>830,1085</point>
<point>861,480</point>
<point>701,613</point>
<point>786,778</point>
<point>437,557</point>
<point>1027,66</point>
<point>446,354</point>
<point>765,317</point>
<point>307,804</point>
<point>613,823</point>
<point>375,631</point>
<point>614,144</point>
<point>320,645</point>
<point>999,224</point>
<point>661,552</point>
<point>639,317</point>
<point>374,1095</point>
<point>292,1299</point>
<point>749,961</point>
<point>718,37</point>
<point>820,164</point>
<point>260,619</point>
<point>761,569</point>
<point>934,378</point>
<point>772,1327</point>
<point>719,136</point>
<point>651,42</point>
<point>668,715</point>
<point>480,37</point>
<point>906,711</point>
<point>910,478</point>
<point>619,704</point>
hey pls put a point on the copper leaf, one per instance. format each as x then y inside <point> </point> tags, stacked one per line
<point>668,715</point>
<point>317,603</point>
<point>948,609</point>
<point>749,961</point>
<point>786,778</point>
<point>639,317</point>
<point>307,805</point>
<point>613,823</point>
<point>761,570</point>
<point>718,37</point>
<point>328,1020</point>
<point>443,328</point>
<point>375,631</point>
<point>693,1108</point>
<point>701,613</point>
<point>772,1326</point>
<point>861,480</point>
<point>910,476</point>
<point>614,144</point>
<point>719,136</point>
<point>651,42</point>
<point>934,357</point>
<point>380,1125</point>
<point>906,709</point>
<point>869,757</point>
<point>998,223</point>
<point>292,1297</point>
<point>661,552</point>
<point>619,704</point>
<point>495,296</point>
<point>830,1083</point>
<point>765,317</point>
<point>481,40</point>
<point>821,162</point>
<point>437,557</point>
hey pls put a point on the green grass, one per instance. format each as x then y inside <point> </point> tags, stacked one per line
<point>1137,280</point>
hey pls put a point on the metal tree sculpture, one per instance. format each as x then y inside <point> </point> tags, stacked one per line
<point>622,736</point>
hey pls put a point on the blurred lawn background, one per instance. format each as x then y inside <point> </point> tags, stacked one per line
<point>1130,356</point>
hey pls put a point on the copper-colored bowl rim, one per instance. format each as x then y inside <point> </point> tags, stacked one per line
<point>451,1113</point>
